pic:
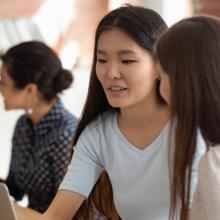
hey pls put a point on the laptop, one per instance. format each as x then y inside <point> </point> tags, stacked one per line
<point>7,211</point>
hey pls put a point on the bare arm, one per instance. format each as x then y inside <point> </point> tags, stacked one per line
<point>64,206</point>
<point>26,213</point>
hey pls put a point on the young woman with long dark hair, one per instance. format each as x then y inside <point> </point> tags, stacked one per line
<point>188,57</point>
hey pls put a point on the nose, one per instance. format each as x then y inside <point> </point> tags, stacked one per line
<point>113,71</point>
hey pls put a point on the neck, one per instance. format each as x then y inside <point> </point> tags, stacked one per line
<point>143,125</point>
<point>40,110</point>
<point>146,113</point>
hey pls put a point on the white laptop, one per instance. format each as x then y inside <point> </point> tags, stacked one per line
<point>6,208</point>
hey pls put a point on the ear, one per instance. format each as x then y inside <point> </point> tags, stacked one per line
<point>31,89</point>
<point>157,69</point>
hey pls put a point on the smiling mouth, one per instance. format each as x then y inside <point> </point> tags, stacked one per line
<point>116,89</point>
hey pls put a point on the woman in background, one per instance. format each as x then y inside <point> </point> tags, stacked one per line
<point>31,79</point>
<point>189,67</point>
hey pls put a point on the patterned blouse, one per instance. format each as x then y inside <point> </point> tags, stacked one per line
<point>40,155</point>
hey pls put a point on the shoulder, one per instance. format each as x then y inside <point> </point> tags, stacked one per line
<point>65,121</point>
<point>65,114</point>
<point>207,198</point>
<point>22,122</point>
<point>214,151</point>
<point>96,139</point>
<point>101,123</point>
<point>211,160</point>
<point>68,121</point>
<point>98,131</point>
<point>22,119</point>
<point>61,125</point>
<point>201,144</point>
<point>201,148</point>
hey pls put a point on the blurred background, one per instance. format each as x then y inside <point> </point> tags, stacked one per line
<point>68,26</point>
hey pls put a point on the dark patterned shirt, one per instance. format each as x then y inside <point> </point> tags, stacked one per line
<point>40,155</point>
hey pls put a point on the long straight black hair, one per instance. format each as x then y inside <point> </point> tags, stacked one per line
<point>144,26</point>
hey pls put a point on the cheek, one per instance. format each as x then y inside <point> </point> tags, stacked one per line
<point>2,92</point>
<point>98,72</point>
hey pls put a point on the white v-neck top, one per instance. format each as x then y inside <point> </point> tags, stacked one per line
<point>139,178</point>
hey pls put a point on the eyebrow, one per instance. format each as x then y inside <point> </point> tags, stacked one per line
<point>121,52</point>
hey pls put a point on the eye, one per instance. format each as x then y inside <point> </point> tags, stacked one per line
<point>101,61</point>
<point>128,61</point>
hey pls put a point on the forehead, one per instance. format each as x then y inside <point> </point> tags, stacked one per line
<point>2,70</point>
<point>117,40</point>
<point>4,73</point>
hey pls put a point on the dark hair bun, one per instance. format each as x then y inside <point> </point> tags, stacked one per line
<point>63,80</point>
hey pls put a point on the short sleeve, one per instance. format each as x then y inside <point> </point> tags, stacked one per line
<point>85,167</point>
<point>207,198</point>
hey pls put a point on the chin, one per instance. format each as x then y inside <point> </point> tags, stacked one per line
<point>117,105</point>
<point>119,102</point>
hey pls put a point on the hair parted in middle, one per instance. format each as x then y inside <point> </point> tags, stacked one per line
<point>144,26</point>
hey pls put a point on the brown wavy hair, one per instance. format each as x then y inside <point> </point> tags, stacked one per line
<point>189,52</point>
<point>144,26</point>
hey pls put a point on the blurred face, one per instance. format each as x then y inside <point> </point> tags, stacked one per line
<point>13,98</point>
<point>164,83</point>
<point>126,71</point>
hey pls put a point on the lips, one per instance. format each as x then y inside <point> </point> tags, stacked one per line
<point>116,88</point>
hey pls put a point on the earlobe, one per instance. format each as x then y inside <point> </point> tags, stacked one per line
<point>31,93</point>
<point>31,89</point>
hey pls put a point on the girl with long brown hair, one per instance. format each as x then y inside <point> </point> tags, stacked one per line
<point>188,57</point>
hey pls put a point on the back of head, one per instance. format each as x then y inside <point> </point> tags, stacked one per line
<point>35,62</point>
<point>189,52</point>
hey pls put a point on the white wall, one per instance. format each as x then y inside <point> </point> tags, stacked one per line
<point>7,122</point>
<point>171,10</point>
